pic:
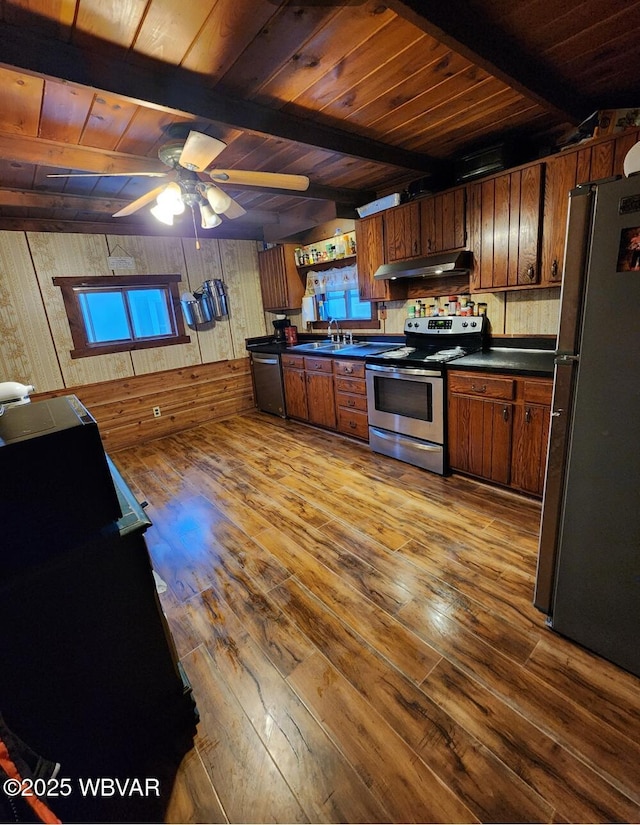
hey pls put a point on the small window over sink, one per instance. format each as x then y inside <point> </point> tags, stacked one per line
<point>337,296</point>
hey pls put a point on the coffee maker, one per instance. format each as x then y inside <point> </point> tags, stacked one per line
<point>279,326</point>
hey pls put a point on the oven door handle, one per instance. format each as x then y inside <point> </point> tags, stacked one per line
<point>416,445</point>
<point>404,371</point>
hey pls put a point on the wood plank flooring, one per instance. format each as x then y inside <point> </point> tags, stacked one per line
<point>361,641</point>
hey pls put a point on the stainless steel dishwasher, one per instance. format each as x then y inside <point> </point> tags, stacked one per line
<point>267,382</point>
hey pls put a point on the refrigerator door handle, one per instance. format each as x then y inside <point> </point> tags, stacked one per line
<point>561,360</point>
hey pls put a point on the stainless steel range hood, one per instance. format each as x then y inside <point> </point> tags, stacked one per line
<point>433,266</point>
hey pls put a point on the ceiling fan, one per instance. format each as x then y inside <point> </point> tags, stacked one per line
<point>188,158</point>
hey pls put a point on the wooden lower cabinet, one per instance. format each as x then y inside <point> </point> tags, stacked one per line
<point>480,437</point>
<point>295,386</point>
<point>321,398</point>
<point>327,392</point>
<point>531,423</point>
<point>498,428</point>
<point>351,398</point>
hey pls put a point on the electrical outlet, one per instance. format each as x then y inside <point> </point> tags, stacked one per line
<point>156,412</point>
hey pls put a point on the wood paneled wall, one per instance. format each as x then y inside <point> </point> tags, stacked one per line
<point>205,379</point>
<point>187,397</point>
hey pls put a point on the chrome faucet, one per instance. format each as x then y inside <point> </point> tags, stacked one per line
<point>337,333</point>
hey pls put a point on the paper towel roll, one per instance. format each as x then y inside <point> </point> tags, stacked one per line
<point>309,309</point>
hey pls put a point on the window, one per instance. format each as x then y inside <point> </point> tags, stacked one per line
<point>344,305</point>
<point>337,297</point>
<point>121,313</point>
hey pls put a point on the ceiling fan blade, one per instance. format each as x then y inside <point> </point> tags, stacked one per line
<point>199,150</point>
<point>140,202</point>
<point>111,175</point>
<point>269,179</point>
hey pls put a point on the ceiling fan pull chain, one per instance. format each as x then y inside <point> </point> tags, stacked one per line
<point>195,227</point>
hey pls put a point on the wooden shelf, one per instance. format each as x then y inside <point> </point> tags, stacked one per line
<point>337,263</point>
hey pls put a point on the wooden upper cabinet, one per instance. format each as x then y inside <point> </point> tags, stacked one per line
<point>563,173</point>
<point>560,178</point>
<point>443,222</point>
<point>369,256</point>
<point>402,232</point>
<point>280,282</point>
<point>506,228</point>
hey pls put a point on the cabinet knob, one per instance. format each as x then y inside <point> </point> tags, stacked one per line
<point>505,413</point>
<point>483,388</point>
<point>527,415</point>
<point>348,370</point>
<point>530,272</point>
<point>554,268</point>
<point>351,403</point>
<point>353,425</point>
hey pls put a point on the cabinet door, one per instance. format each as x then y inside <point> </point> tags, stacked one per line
<point>443,224</point>
<point>529,456</point>
<point>295,393</point>
<point>506,229</point>
<point>369,256</point>
<point>402,232</point>
<point>321,399</point>
<point>560,179</point>
<point>280,282</point>
<point>480,437</point>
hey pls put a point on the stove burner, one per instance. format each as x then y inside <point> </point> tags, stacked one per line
<point>446,354</point>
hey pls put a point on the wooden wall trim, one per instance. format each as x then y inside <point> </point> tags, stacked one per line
<point>187,397</point>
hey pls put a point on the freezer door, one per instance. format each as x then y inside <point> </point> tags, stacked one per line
<point>575,262</point>
<point>596,594</point>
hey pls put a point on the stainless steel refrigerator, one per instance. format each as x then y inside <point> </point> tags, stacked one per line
<point>588,577</point>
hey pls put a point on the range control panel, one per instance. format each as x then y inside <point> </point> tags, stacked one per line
<point>452,325</point>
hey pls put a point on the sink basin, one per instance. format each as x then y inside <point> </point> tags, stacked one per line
<point>312,346</point>
<point>356,348</point>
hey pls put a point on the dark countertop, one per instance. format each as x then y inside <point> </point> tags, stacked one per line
<point>516,357</point>
<point>270,346</point>
<point>508,360</point>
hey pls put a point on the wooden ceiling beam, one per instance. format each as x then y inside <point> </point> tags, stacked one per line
<point>229,230</point>
<point>30,199</point>
<point>456,24</point>
<point>146,81</point>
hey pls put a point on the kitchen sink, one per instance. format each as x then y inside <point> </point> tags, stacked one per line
<point>312,346</point>
<point>356,348</point>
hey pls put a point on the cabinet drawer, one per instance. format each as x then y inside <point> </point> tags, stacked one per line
<point>357,385</point>
<point>351,402</point>
<point>353,423</point>
<point>355,369</point>
<point>537,392</point>
<point>480,384</point>
<point>318,364</point>
<point>294,361</point>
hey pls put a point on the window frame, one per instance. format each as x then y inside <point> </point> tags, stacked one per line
<point>72,287</point>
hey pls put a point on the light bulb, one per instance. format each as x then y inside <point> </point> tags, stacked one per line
<point>170,199</point>
<point>162,214</point>
<point>218,199</point>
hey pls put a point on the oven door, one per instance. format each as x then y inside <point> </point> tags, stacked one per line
<point>406,401</point>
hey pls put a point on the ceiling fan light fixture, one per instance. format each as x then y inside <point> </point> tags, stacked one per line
<point>208,217</point>
<point>218,199</point>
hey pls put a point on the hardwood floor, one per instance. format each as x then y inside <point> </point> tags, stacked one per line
<point>362,644</point>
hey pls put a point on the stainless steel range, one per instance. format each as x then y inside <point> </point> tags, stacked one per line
<point>406,389</point>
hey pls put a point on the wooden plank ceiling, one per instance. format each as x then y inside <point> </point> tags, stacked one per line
<point>361,96</point>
